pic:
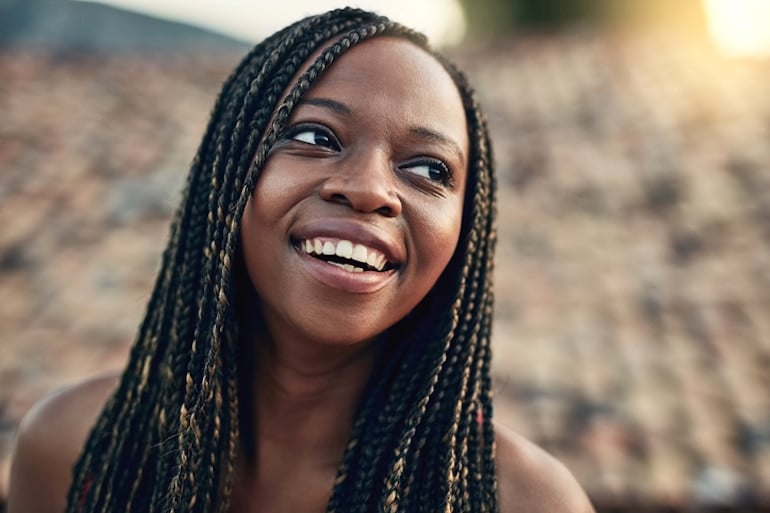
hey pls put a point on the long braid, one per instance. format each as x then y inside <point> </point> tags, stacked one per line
<point>422,440</point>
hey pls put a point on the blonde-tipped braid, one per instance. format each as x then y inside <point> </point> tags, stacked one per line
<point>169,437</point>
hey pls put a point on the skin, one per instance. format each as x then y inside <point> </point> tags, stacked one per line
<point>359,162</point>
<point>355,164</point>
<point>374,135</point>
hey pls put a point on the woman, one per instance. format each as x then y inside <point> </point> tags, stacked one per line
<point>318,336</point>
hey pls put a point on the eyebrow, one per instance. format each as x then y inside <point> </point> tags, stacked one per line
<point>436,137</point>
<point>333,105</point>
<point>418,131</point>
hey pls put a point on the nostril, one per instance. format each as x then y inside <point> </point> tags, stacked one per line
<point>339,198</point>
<point>370,195</point>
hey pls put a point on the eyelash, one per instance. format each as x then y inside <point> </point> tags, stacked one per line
<point>332,142</point>
<point>435,166</point>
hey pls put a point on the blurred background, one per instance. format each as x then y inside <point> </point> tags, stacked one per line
<point>632,335</point>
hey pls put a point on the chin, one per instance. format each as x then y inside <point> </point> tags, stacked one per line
<point>343,332</point>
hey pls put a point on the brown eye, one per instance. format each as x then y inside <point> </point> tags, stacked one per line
<point>433,170</point>
<point>314,135</point>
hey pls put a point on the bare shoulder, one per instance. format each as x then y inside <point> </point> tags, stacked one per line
<point>531,480</point>
<point>49,440</point>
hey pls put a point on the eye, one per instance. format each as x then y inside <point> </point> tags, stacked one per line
<point>314,135</point>
<point>430,169</point>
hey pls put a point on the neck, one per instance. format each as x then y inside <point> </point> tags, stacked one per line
<point>306,396</point>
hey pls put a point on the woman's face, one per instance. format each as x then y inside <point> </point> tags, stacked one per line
<point>358,208</point>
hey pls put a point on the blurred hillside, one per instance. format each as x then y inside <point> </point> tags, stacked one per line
<point>632,335</point>
<point>67,26</point>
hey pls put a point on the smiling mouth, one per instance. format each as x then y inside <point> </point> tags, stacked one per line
<point>350,256</point>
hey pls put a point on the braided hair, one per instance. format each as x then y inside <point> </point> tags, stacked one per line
<point>168,438</point>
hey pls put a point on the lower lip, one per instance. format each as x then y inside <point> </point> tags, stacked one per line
<point>337,278</point>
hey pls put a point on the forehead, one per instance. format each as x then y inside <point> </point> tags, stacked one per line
<point>395,58</point>
<point>399,80</point>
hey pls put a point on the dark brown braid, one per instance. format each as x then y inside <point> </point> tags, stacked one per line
<point>423,439</point>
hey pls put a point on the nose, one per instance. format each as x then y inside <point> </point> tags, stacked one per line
<point>365,184</point>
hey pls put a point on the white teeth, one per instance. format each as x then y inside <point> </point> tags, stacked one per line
<point>359,253</point>
<point>376,261</point>
<point>349,268</point>
<point>346,249</point>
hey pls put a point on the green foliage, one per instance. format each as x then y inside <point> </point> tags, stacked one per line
<point>493,17</point>
<point>489,18</point>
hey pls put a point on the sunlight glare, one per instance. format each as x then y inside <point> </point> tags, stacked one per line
<point>740,27</point>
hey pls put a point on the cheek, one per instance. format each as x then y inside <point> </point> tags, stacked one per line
<point>256,218</point>
<point>266,200</point>
<point>260,224</point>
<point>250,234</point>
<point>276,192</point>
<point>439,231</point>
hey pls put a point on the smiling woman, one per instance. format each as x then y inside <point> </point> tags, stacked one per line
<point>349,173</point>
<point>318,337</point>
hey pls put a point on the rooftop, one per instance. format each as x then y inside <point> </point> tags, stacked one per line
<point>632,334</point>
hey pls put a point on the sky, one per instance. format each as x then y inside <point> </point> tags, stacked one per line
<point>250,20</point>
<point>738,27</point>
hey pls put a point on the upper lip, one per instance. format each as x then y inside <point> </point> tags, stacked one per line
<point>354,231</point>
